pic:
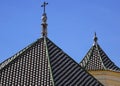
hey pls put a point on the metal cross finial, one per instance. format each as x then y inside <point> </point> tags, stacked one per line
<point>44,5</point>
<point>44,21</point>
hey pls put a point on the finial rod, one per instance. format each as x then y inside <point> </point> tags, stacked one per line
<point>44,20</point>
<point>95,38</point>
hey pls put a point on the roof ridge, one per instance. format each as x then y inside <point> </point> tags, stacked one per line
<point>97,45</point>
<point>90,57</point>
<point>51,74</point>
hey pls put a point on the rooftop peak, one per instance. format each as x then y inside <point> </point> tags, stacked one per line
<point>44,20</point>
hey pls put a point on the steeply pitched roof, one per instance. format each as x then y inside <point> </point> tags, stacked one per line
<point>44,64</point>
<point>96,59</point>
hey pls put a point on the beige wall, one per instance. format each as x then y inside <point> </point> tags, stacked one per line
<point>108,78</point>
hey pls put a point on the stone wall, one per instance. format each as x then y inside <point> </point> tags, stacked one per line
<point>107,78</point>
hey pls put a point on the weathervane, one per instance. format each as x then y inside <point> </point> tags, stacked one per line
<point>44,20</point>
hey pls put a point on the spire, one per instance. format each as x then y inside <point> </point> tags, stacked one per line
<point>44,20</point>
<point>95,38</point>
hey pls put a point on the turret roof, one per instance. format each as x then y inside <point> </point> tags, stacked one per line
<point>96,59</point>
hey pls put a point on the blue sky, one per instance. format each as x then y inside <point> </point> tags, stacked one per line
<point>71,25</point>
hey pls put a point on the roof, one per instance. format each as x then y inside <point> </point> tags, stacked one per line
<point>43,63</point>
<point>96,59</point>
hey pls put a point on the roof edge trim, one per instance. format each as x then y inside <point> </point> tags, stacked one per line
<point>10,59</point>
<point>51,74</point>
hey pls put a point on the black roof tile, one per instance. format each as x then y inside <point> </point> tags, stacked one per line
<point>96,59</point>
<point>44,64</point>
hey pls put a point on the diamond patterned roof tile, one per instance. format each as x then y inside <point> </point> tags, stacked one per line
<point>44,64</point>
<point>96,59</point>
